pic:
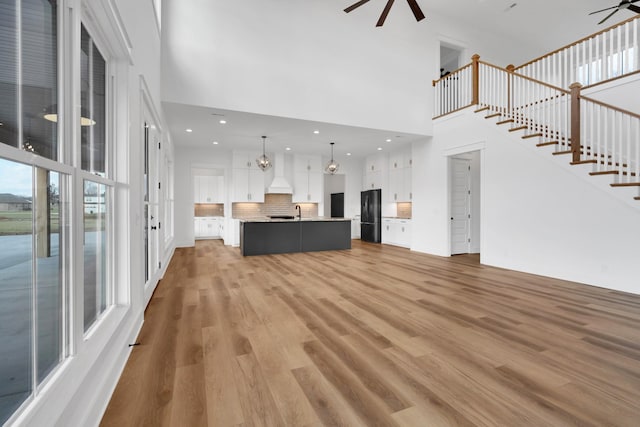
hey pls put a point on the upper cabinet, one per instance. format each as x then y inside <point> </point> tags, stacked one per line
<point>248,179</point>
<point>208,189</point>
<point>307,179</point>
<point>245,160</point>
<point>399,187</point>
<point>375,172</point>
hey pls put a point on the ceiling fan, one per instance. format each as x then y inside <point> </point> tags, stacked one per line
<point>624,4</point>
<point>417,12</point>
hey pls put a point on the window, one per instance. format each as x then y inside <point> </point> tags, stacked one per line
<point>28,76</point>
<point>93,107</point>
<point>607,66</point>
<point>96,239</point>
<point>33,235</point>
<point>96,193</point>
<point>37,196</point>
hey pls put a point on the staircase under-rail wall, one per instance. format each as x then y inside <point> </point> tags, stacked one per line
<point>543,99</point>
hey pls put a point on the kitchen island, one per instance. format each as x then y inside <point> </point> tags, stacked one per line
<point>261,236</point>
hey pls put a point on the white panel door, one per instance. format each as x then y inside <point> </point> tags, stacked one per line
<point>460,206</point>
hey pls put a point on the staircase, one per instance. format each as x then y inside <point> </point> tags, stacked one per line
<point>591,134</point>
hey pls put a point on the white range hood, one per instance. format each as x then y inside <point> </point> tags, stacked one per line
<point>279,185</point>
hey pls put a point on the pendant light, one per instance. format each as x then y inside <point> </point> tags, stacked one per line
<point>332,166</point>
<point>263,161</point>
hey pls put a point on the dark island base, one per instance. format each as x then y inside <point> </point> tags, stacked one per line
<point>261,238</point>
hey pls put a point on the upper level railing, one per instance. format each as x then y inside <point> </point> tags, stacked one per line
<point>609,54</point>
<point>592,131</point>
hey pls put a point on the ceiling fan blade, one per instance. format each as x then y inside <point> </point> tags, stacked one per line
<point>608,16</point>
<point>609,8</point>
<point>417,12</point>
<point>385,12</point>
<point>355,5</point>
<point>633,8</point>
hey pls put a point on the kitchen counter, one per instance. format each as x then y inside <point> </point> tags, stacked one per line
<point>315,219</point>
<point>260,236</point>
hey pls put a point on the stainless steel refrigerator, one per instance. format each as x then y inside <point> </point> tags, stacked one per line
<point>371,216</point>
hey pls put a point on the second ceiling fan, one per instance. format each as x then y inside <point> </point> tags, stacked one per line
<point>417,12</point>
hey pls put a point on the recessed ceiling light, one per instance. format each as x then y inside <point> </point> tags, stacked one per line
<point>223,121</point>
<point>379,148</point>
<point>288,148</point>
<point>215,142</point>
<point>316,132</point>
<point>189,130</point>
<point>348,154</point>
<point>388,140</point>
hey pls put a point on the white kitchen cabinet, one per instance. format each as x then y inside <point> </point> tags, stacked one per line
<point>245,160</point>
<point>355,227</point>
<point>396,231</point>
<point>375,174</point>
<point>207,227</point>
<point>406,192</point>
<point>307,179</point>
<point>403,233</point>
<point>208,189</point>
<point>399,188</point>
<point>248,185</point>
<point>248,178</point>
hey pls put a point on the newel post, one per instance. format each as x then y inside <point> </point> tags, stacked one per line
<point>575,121</point>
<point>510,69</point>
<point>475,92</point>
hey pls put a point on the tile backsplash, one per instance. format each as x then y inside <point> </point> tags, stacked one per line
<point>404,210</point>
<point>208,209</point>
<point>274,204</point>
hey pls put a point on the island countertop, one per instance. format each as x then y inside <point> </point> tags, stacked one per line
<point>313,219</point>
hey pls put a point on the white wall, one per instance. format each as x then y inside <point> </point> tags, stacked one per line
<point>618,92</point>
<point>537,216</point>
<point>309,60</point>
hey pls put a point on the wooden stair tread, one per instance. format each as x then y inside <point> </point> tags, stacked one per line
<point>557,153</point>
<point>611,172</point>
<point>531,135</point>
<point>583,162</point>
<point>481,109</point>
<point>492,115</point>
<point>636,198</point>
<point>625,184</point>
<point>544,144</point>
<point>505,121</point>
<point>518,128</point>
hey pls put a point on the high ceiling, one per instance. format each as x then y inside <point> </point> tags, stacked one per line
<point>544,24</point>
<point>243,131</point>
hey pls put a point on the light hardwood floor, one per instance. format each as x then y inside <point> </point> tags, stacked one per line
<point>377,336</point>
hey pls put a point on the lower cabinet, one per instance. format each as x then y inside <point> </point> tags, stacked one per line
<point>207,227</point>
<point>355,227</point>
<point>396,231</point>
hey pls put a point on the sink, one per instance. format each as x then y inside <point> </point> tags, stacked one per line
<point>281,216</point>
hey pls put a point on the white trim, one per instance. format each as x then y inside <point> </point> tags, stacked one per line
<point>476,146</point>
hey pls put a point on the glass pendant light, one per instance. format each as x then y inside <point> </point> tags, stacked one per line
<point>332,166</point>
<point>263,161</point>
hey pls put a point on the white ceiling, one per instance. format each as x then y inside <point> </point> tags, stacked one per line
<point>548,24</point>
<point>243,131</point>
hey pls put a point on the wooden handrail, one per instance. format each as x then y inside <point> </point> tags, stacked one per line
<point>434,82</point>
<point>527,78</point>
<point>579,41</point>
<point>621,76</point>
<point>604,104</point>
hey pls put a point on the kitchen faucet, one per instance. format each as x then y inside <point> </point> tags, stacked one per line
<point>299,209</point>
